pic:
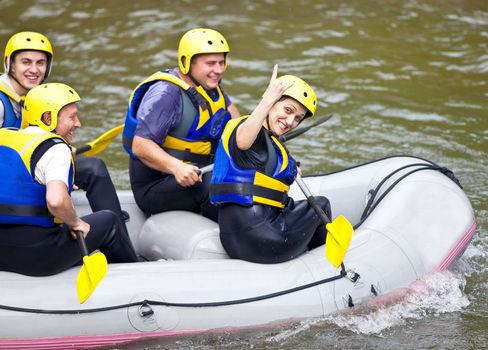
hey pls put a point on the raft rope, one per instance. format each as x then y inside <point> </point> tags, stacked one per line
<point>147,302</point>
<point>370,206</point>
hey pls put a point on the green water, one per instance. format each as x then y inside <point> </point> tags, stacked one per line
<point>401,77</point>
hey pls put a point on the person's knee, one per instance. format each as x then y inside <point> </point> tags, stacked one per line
<point>324,204</point>
<point>97,167</point>
<point>104,218</point>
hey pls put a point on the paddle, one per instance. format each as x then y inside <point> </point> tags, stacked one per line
<point>93,270</point>
<point>339,231</point>
<point>285,137</point>
<point>294,133</point>
<point>95,147</point>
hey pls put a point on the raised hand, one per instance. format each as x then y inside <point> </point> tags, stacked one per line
<point>276,87</point>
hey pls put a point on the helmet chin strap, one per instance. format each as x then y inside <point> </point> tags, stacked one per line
<point>268,129</point>
<point>192,78</point>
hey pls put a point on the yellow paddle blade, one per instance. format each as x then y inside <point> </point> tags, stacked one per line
<point>339,235</point>
<point>103,141</point>
<point>93,270</point>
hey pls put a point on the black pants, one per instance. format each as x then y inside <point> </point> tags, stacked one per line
<point>38,251</point>
<point>267,235</point>
<point>93,177</point>
<point>156,192</point>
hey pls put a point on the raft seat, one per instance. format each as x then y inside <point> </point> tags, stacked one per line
<point>180,235</point>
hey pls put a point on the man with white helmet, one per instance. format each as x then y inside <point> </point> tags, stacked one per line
<point>173,124</point>
<point>38,223</point>
<point>28,62</point>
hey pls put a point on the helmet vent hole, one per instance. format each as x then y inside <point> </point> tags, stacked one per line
<point>71,91</point>
<point>42,41</point>
<point>28,39</point>
<point>305,94</point>
<point>210,42</point>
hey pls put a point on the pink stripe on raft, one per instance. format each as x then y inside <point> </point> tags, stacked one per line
<point>459,247</point>
<point>83,342</point>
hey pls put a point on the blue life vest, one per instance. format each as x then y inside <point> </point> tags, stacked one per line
<point>203,120</point>
<point>232,184</point>
<point>22,199</point>
<point>10,120</point>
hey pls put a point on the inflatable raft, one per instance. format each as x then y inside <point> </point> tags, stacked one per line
<point>411,218</point>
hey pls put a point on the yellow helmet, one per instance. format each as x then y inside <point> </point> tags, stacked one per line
<point>49,97</point>
<point>302,92</point>
<point>28,41</point>
<point>197,41</point>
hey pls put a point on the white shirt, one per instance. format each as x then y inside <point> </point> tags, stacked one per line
<point>54,164</point>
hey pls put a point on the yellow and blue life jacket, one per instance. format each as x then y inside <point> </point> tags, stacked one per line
<point>232,184</point>
<point>202,122</point>
<point>10,119</point>
<point>22,199</point>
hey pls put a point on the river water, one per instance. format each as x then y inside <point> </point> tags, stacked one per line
<point>401,77</point>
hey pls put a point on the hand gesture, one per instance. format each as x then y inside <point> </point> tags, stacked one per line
<point>276,87</point>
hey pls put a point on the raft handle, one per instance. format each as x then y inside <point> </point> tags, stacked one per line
<point>145,309</point>
<point>352,276</point>
<point>350,303</point>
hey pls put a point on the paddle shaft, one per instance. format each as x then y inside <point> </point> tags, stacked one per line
<point>297,132</point>
<point>205,169</point>
<point>82,149</point>
<point>312,201</point>
<point>82,243</point>
<point>285,137</point>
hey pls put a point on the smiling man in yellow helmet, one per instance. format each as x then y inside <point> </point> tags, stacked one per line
<point>28,61</point>
<point>37,172</point>
<point>253,172</point>
<point>173,124</point>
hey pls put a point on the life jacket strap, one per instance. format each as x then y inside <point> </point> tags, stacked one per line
<point>127,141</point>
<point>197,99</point>
<point>248,189</point>
<point>188,157</point>
<point>24,210</point>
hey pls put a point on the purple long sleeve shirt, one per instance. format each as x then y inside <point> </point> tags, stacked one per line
<point>161,110</point>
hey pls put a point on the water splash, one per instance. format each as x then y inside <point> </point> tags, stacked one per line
<point>433,295</point>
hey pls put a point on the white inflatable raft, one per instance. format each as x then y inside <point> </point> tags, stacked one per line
<point>419,221</point>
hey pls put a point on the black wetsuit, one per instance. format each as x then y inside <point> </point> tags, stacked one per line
<point>266,234</point>
<point>156,192</point>
<point>92,176</point>
<point>40,251</point>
